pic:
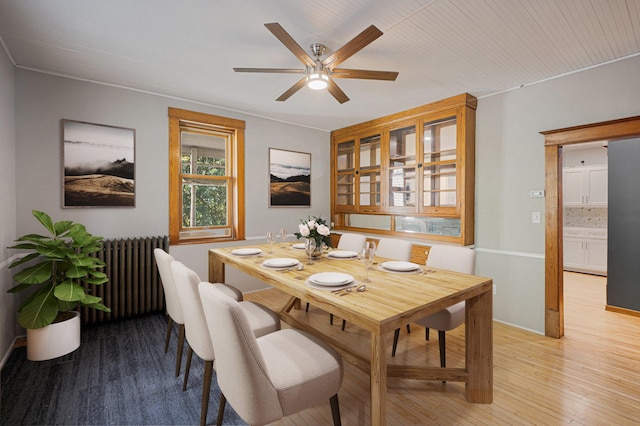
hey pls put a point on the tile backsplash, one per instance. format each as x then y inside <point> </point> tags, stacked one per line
<point>585,217</point>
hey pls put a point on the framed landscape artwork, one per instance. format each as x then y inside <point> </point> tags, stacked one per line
<point>290,178</point>
<point>98,165</point>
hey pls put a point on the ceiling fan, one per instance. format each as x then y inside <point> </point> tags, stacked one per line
<point>319,74</point>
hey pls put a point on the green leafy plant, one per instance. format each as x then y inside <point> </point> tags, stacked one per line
<point>64,260</point>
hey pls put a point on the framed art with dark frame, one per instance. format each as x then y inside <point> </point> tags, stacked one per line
<point>289,178</point>
<point>98,163</point>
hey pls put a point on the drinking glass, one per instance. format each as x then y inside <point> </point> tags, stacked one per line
<point>283,235</point>
<point>310,247</point>
<point>367,255</point>
<point>271,238</point>
<point>371,253</point>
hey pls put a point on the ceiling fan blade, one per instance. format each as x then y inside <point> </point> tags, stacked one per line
<point>337,92</point>
<point>293,89</point>
<point>271,70</point>
<point>364,74</point>
<point>352,47</point>
<point>284,37</point>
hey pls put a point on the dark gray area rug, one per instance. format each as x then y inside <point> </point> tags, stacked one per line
<point>120,375</point>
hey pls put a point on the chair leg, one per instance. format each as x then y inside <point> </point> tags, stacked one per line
<point>331,319</point>
<point>166,340</point>
<point>223,403</point>
<point>396,334</point>
<point>443,361</point>
<point>335,410</point>
<point>206,389</point>
<point>426,334</point>
<point>344,324</point>
<point>187,368</point>
<point>180,349</point>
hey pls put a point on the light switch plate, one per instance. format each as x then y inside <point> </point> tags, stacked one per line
<point>535,217</point>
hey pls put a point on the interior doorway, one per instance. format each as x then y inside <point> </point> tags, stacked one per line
<point>554,140</point>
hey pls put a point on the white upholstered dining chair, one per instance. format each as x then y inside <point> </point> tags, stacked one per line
<point>261,321</point>
<point>352,242</point>
<point>273,376</point>
<point>453,258</point>
<point>394,248</point>
<point>174,310</point>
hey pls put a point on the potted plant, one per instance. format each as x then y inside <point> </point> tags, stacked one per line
<point>63,260</point>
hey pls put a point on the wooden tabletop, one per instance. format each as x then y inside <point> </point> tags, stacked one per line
<point>391,300</point>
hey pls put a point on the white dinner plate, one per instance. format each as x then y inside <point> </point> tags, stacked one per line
<point>331,279</point>
<point>248,251</point>
<point>342,254</point>
<point>298,246</point>
<point>280,262</point>
<point>400,266</point>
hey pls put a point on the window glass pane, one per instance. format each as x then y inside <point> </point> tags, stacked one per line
<point>370,151</point>
<point>402,187</point>
<point>428,225</point>
<point>440,185</point>
<point>402,146</point>
<point>203,154</point>
<point>440,140</point>
<point>346,155</point>
<point>346,188</point>
<point>204,203</point>
<point>369,221</point>
<point>370,189</point>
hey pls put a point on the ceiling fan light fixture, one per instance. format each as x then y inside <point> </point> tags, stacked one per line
<point>318,81</point>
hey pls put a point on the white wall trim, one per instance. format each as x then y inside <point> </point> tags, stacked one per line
<point>8,353</point>
<point>520,327</point>
<point>510,253</point>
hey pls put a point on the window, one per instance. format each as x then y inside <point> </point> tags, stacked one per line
<point>206,179</point>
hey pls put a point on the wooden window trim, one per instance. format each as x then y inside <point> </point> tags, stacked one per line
<point>197,119</point>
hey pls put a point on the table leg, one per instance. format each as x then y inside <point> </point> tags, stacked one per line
<point>216,269</point>
<point>479,348</point>
<point>378,379</point>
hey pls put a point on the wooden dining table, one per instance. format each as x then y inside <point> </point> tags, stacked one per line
<point>392,300</point>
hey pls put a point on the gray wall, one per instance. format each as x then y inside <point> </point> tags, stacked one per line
<point>7,201</point>
<point>510,163</point>
<point>623,280</point>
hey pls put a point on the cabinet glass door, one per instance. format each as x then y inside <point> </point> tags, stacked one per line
<point>439,163</point>
<point>369,172</point>
<point>346,168</point>
<point>402,167</point>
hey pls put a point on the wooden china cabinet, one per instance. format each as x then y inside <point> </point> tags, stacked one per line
<point>408,174</point>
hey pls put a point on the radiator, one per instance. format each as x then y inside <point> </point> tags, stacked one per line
<point>134,286</point>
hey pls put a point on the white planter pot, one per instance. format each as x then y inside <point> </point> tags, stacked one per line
<point>56,339</point>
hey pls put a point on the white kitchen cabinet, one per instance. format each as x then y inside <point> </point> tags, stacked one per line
<point>585,250</point>
<point>585,186</point>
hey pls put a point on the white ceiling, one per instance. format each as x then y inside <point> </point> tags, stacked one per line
<point>187,48</point>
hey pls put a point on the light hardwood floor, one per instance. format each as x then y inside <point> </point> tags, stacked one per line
<point>589,377</point>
